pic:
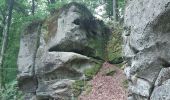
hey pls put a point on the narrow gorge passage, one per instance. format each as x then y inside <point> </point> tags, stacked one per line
<point>107,87</point>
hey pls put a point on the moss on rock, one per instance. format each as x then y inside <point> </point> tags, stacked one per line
<point>90,72</point>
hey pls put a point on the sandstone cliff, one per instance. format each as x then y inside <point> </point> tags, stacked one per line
<point>147,49</point>
<point>56,53</point>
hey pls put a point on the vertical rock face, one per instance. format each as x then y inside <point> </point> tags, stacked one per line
<point>58,52</point>
<point>26,58</point>
<point>147,49</point>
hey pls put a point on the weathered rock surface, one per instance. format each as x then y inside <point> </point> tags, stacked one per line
<point>140,87</point>
<point>146,48</point>
<point>161,92</point>
<point>26,58</point>
<point>58,71</point>
<point>163,76</point>
<point>76,30</point>
<point>58,52</point>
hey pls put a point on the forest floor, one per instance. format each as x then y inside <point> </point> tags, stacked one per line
<point>109,84</point>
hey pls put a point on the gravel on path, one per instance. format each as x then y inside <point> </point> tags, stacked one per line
<point>107,87</point>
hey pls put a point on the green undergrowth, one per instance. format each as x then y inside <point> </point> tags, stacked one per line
<point>10,57</point>
<point>90,72</point>
<point>125,84</point>
<point>88,88</point>
<point>79,86</point>
<point>11,92</point>
<point>114,47</point>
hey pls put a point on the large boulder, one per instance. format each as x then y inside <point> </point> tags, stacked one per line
<point>58,71</point>
<point>147,48</point>
<point>74,29</point>
<point>66,49</point>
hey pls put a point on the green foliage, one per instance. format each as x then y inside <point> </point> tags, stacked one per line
<point>90,4</point>
<point>120,5</point>
<point>116,60</point>
<point>57,5</point>
<point>125,84</point>
<point>114,47</point>
<point>121,8</point>
<point>81,85</point>
<point>10,59</point>
<point>11,92</point>
<point>90,72</point>
<point>109,7</point>
<point>88,88</point>
<point>98,45</point>
<point>78,87</point>
<point>11,53</point>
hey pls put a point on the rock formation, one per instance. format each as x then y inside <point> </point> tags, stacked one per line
<point>57,52</point>
<point>147,49</point>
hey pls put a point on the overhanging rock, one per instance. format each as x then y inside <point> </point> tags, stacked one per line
<point>60,51</point>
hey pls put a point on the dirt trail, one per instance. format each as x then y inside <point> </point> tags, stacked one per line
<point>107,87</point>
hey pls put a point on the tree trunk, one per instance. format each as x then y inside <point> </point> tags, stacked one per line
<point>4,42</point>
<point>115,9</point>
<point>48,1</point>
<point>33,7</point>
<point>5,38</point>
